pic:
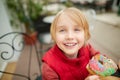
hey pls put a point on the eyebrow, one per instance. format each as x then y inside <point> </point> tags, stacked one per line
<point>60,26</point>
<point>78,26</point>
<point>63,26</point>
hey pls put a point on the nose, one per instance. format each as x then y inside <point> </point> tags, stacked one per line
<point>70,35</point>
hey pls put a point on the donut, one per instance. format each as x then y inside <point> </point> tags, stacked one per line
<point>101,65</point>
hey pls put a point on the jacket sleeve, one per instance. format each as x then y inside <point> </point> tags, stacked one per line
<point>48,73</point>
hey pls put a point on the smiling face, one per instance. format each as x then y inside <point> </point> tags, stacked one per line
<point>70,31</point>
<point>69,36</point>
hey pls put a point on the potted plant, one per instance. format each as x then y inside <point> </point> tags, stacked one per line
<point>26,12</point>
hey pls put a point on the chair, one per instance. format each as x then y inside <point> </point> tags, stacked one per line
<point>28,66</point>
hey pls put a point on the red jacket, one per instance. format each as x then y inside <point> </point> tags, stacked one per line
<point>69,69</point>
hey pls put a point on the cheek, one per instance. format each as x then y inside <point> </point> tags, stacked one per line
<point>58,38</point>
<point>81,37</point>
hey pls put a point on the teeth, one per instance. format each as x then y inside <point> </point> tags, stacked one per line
<point>69,44</point>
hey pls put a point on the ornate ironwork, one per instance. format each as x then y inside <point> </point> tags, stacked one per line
<point>14,49</point>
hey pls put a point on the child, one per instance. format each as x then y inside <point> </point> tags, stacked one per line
<point>68,58</point>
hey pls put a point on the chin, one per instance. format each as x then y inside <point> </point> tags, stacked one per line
<point>71,53</point>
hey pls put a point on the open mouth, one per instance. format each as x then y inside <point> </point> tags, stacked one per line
<point>70,44</point>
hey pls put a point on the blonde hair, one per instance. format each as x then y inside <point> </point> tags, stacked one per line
<point>74,14</point>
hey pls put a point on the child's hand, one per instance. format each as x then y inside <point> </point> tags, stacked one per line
<point>93,77</point>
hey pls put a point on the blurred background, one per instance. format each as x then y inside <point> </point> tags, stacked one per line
<point>34,18</point>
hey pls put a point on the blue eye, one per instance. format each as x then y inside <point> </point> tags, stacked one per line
<point>77,29</point>
<point>62,30</point>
